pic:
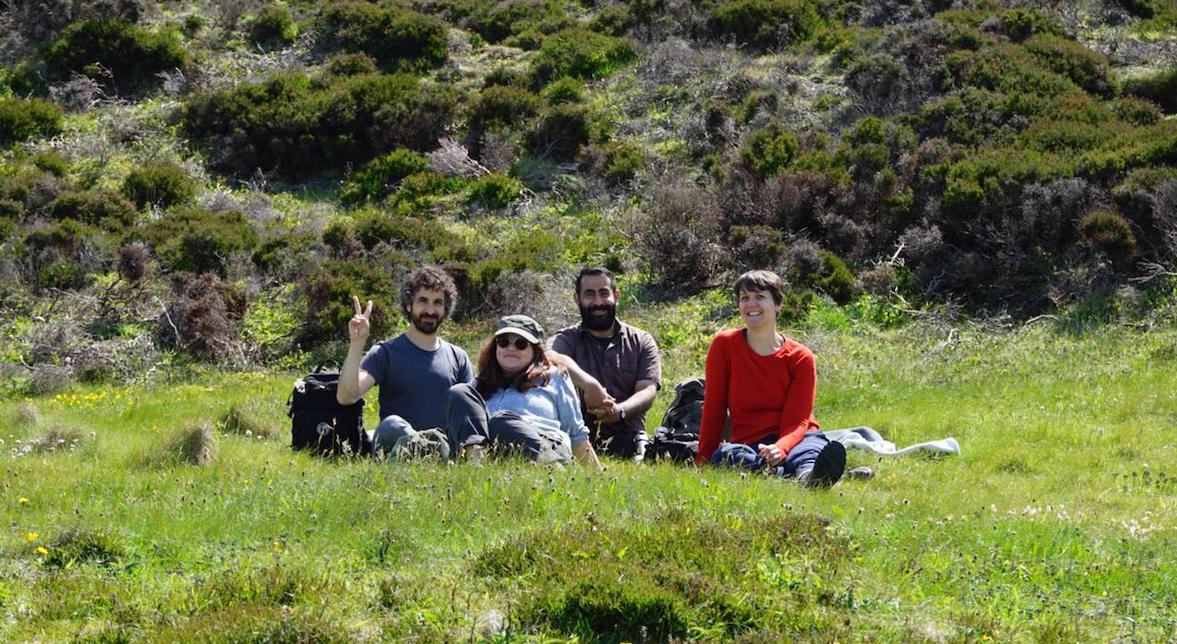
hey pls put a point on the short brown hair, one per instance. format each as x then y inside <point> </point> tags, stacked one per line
<point>429,277</point>
<point>761,281</point>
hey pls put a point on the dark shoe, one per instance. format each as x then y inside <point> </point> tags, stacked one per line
<point>828,467</point>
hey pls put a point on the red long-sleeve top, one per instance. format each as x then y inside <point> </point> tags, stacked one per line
<point>766,395</point>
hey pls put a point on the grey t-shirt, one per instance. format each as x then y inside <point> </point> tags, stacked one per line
<point>414,382</point>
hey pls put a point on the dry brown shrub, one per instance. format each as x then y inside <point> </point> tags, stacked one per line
<point>27,413</point>
<point>50,378</point>
<point>677,237</point>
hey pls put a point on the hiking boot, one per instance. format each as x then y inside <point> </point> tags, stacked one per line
<point>828,467</point>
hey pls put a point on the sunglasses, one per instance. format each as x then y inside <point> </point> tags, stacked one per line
<point>505,341</point>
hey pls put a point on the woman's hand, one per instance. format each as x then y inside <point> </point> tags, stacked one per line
<point>772,454</point>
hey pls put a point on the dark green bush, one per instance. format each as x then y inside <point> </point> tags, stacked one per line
<point>493,191</point>
<point>871,129</point>
<point>616,161</point>
<point>328,292</point>
<point>282,248</point>
<point>51,162</point>
<point>1019,24</point>
<point>765,23</point>
<point>564,90</point>
<point>376,226</point>
<point>1006,68</point>
<point>103,208</point>
<point>579,53</point>
<point>132,54</point>
<point>769,150</point>
<point>350,65</point>
<point>1141,8</point>
<point>398,39</point>
<point>418,191</point>
<point>497,21</point>
<point>62,236</point>
<point>273,26</point>
<point>198,241</point>
<point>500,107</point>
<point>1136,111</point>
<point>379,176</point>
<point>161,183</point>
<point>1086,68</point>
<point>21,120</point>
<point>7,222</point>
<point>290,125</point>
<point>561,131</point>
<point>612,20</point>
<point>63,274</point>
<point>506,76</point>
<point>1160,88</point>
<point>11,210</point>
<point>1108,232</point>
<point>836,279</point>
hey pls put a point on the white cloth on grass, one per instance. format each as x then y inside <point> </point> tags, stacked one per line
<point>870,440</point>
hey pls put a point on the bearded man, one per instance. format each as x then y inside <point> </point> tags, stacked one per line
<point>622,358</point>
<point>414,370</point>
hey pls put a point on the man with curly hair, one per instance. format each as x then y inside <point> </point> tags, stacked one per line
<point>414,370</point>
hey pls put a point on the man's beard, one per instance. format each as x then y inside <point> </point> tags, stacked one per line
<point>594,323</point>
<point>428,326</point>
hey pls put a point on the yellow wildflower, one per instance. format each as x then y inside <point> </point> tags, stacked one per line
<point>42,550</point>
<point>31,537</point>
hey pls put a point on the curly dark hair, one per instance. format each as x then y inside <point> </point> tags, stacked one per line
<point>491,377</point>
<point>430,277</point>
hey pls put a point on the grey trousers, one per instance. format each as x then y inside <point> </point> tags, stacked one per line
<point>469,423</point>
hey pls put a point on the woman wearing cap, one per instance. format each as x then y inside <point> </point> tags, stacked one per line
<point>765,383</point>
<point>520,399</point>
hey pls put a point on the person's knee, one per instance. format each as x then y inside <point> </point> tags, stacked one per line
<point>391,429</point>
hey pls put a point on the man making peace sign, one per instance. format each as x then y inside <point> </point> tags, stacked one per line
<point>414,370</point>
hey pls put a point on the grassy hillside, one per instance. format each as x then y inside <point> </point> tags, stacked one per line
<point>1054,524</point>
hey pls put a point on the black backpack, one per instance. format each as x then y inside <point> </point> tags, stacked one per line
<point>320,423</point>
<point>678,437</point>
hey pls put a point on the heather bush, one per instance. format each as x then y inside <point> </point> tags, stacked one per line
<point>616,161</point>
<point>561,131</point>
<point>273,26</point>
<point>133,262</point>
<point>1108,232</point>
<point>1136,111</point>
<point>500,107</point>
<point>1006,68</point>
<point>1022,23</point>
<point>372,227</point>
<point>289,124</point>
<point>564,90</point>
<point>1086,68</point>
<point>769,150</point>
<point>116,52</point>
<point>493,191</point>
<point>380,176</point>
<point>285,254</point>
<point>753,247</point>
<point>106,209</point>
<point>198,320</point>
<point>904,68</point>
<point>328,295</point>
<point>160,183</point>
<point>349,65</point>
<point>676,236</point>
<point>765,23</point>
<point>50,162</point>
<point>21,120</point>
<point>498,21</point>
<point>579,53</point>
<point>196,240</point>
<point>397,39</point>
<point>1159,87</point>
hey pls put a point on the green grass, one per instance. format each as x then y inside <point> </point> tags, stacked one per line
<point>1056,523</point>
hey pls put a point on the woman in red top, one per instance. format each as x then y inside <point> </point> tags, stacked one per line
<point>765,383</point>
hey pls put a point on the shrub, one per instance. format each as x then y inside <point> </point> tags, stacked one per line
<point>64,275</point>
<point>328,292</point>
<point>1086,68</point>
<point>499,107</point>
<point>350,65</point>
<point>374,227</point>
<point>274,25</point>
<point>769,150</point>
<point>21,120</point>
<point>132,55</point>
<point>616,161</point>
<point>561,131</point>
<point>1019,24</point>
<point>1136,111</point>
<point>287,124</point>
<point>499,21</point>
<point>160,183</point>
<point>379,176</point>
<point>676,237</point>
<point>564,90</point>
<point>765,23</point>
<point>836,279</point>
<point>1108,232</point>
<point>1160,88</point>
<point>753,247</point>
<point>133,262</point>
<point>579,53</point>
<point>198,322</point>
<point>493,191</point>
<point>198,241</point>
<point>104,208</point>
<point>51,162</point>
<point>394,38</point>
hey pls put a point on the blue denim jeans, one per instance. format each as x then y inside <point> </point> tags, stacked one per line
<point>799,459</point>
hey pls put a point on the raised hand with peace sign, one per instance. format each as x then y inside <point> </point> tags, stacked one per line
<point>360,325</point>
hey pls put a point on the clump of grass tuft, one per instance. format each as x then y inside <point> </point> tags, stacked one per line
<point>250,419</point>
<point>28,414</point>
<point>55,437</point>
<point>83,545</point>
<point>273,585</point>
<point>195,444</point>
